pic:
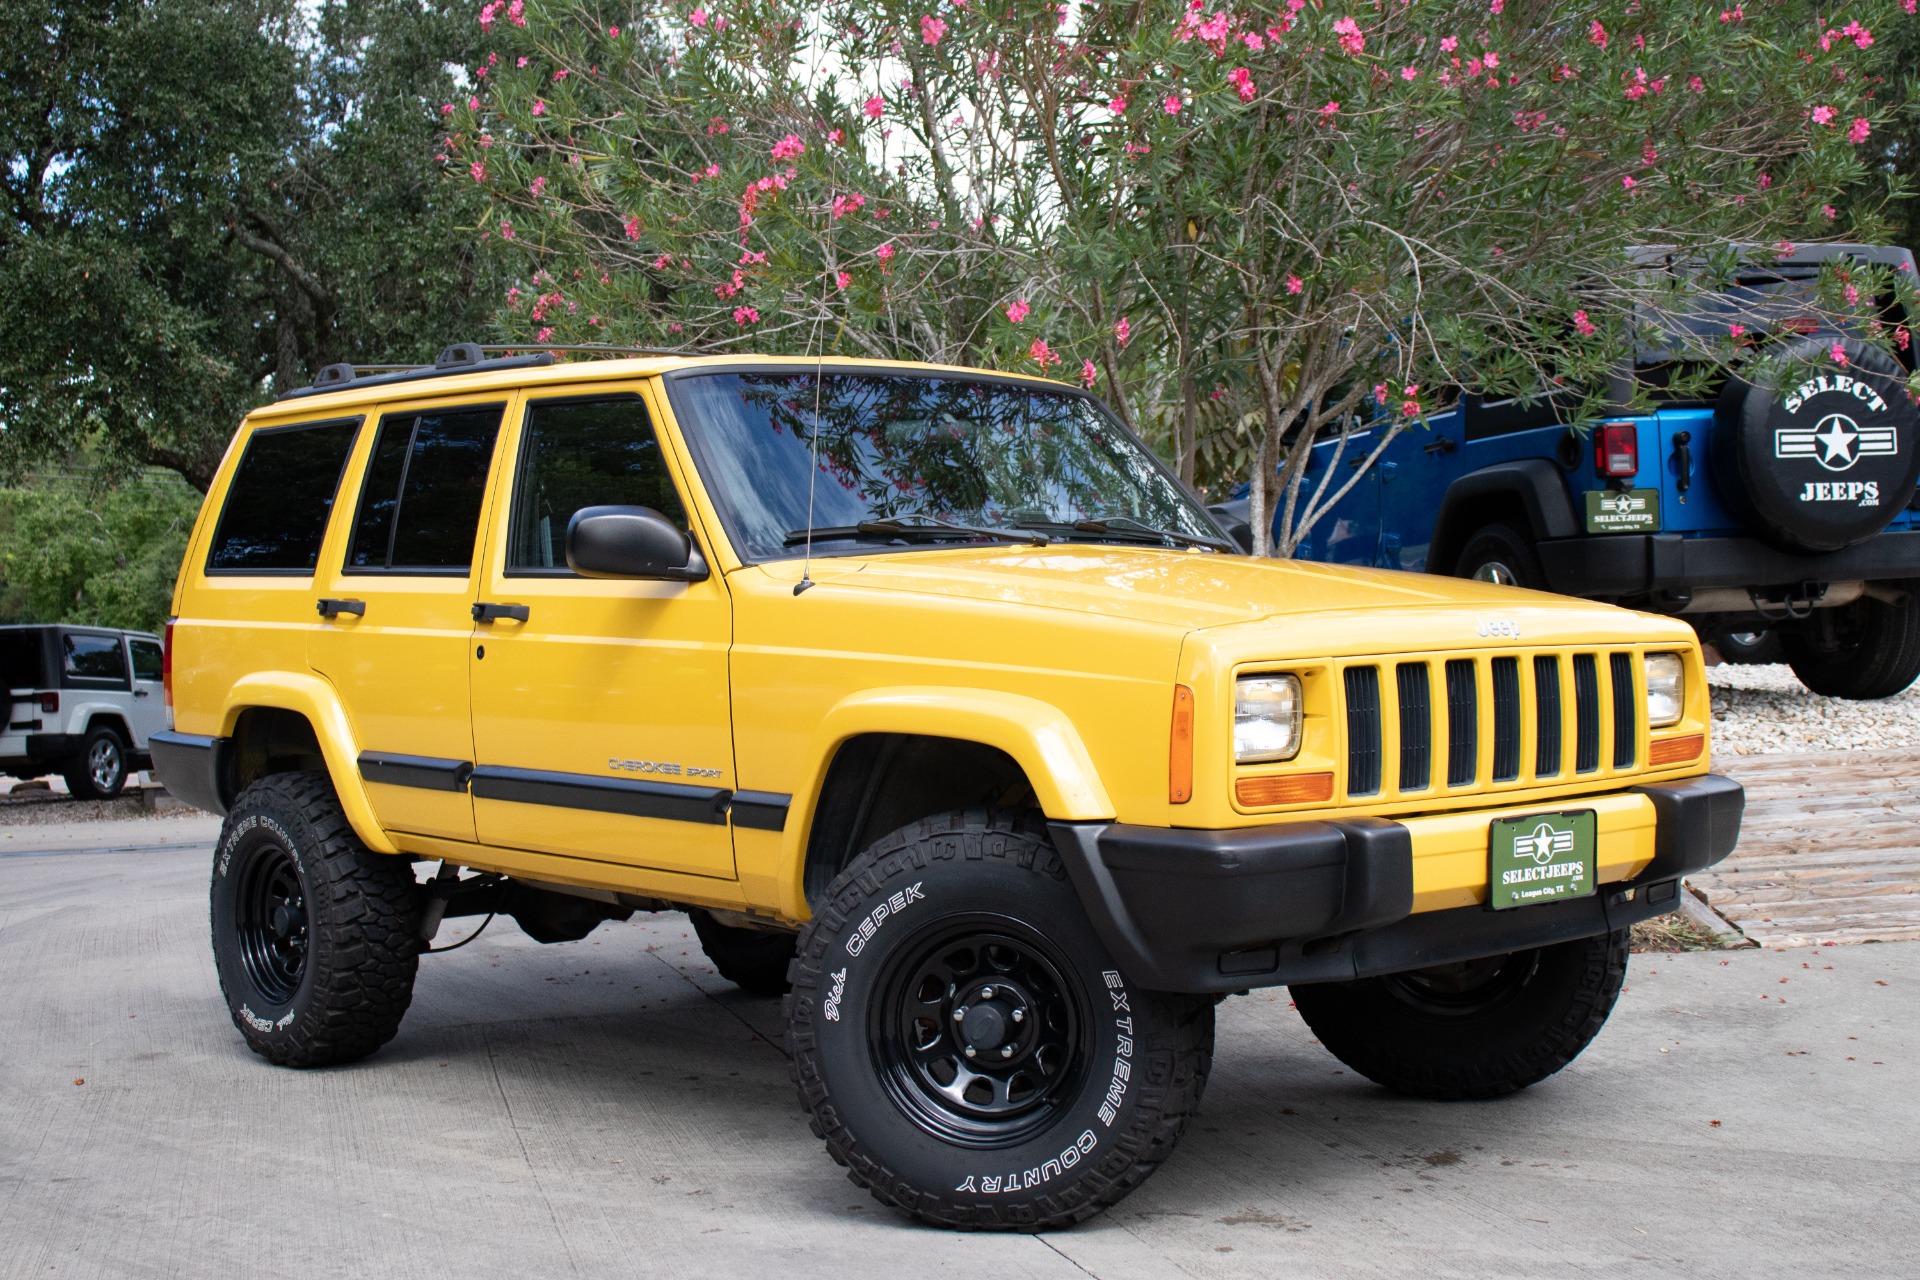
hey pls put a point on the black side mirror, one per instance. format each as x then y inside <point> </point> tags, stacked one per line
<point>630,542</point>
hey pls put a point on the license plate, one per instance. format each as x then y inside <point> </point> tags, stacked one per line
<point>1635,511</point>
<point>1542,857</point>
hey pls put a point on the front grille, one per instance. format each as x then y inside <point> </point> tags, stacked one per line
<point>1363,731</point>
<point>1506,724</point>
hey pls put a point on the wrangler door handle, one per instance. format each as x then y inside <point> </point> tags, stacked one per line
<point>334,608</point>
<point>484,612</point>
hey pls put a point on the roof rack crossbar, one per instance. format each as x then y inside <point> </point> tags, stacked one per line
<point>463,357</point>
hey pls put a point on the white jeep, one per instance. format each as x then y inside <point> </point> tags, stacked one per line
<point>81,702</point>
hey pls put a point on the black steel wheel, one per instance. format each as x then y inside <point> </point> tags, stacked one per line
<point>965,1045</point>
<point>982,1035</point>
<point>1475,1029</point>
<point>316,938</point>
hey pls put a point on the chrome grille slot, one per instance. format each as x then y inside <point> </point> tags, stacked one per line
<point>1546,705</point>
<point>1363,731</point>
<point>1416,726</point>
<point>1463,723</point>
<point>1586,713</point>
<point>1626,728</point>
<point>1506,719</point>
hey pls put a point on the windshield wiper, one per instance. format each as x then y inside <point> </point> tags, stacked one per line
<point>912,527</point>
<point>1128,527</point>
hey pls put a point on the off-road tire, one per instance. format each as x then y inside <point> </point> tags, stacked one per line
<point>1120,1104</point>
<point>1864,650</point>
<point>358,916</point>
<point>79,774</point>
<point>1507,547</point>
<point>1533,1021</point>
<point>1747,648</point>
<point>755,960</point>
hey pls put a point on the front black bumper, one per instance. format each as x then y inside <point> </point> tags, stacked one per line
<point>1654,563</point>
<point>1216,911</point>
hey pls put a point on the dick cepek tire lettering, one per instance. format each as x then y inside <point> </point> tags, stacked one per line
<point>963,1043</point>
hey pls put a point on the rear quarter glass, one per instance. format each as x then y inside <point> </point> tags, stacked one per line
<point>276,507</point>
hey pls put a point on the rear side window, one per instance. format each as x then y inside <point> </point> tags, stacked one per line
<point>426,481</point>
<point>94,658</point>
<point>22,658</point>
<point>146,659</point>
<point>583,453</point>
<point>282,492</point>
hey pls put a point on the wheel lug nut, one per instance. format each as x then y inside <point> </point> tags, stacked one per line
<point>1019,1015</point>
<point>986,993</point>
<point>960,1014</point>
<point>1006,1051</point>
<point>969,1051</point>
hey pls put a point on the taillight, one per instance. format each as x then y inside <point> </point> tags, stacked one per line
<point>1616,449</point>
<point>166,670</point>
<point>50,703</point>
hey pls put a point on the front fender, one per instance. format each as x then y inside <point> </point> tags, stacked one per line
<point>312,697</point>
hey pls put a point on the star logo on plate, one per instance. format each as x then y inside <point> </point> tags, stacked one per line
<point>1543,844</point>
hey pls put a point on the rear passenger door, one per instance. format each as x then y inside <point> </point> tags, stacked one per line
<point>601,714</point>
<point>394,592</point>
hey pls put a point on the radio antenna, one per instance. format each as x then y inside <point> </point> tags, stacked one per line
<point>813,443</point>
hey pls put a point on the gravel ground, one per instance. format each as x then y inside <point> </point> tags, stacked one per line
<point>1765,710</point>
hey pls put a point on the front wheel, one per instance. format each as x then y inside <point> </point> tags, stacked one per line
<point>100,771</point>
<point>316,938</point>
<point>964,1044</point>
<point>1475,1029</point>
<point>1864,650</point>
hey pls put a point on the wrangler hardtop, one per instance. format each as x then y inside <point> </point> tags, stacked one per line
<point>944,710</point>
<point>81,702</point>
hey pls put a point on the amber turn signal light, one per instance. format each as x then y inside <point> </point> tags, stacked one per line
<point>1180,757</point>
<point>1297,788</point>
<point>1676,750</point>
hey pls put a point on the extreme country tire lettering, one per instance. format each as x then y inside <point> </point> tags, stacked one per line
<point>964,1045</point>
<point>316,939</point>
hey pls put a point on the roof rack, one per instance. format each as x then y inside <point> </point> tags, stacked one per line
<point>461,357</point>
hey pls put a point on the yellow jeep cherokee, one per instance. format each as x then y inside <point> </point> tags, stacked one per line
<point>932,693</point>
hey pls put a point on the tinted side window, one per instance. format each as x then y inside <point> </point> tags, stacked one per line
<point>584,453</point>
<point>282,492</point>
<point>426,481</point>
<point>146,659</point>
<point>95,658</point>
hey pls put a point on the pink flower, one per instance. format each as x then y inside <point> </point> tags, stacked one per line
<point>1117,105</point>
<point>478,170</point>
<point>560,75</point>
<point>1294,285</point>
<point>1696,85</point>
<point>1449,44</point>
<point>489,12</point>
<point>1628,183</point>
<point>1822,115</point>
<point>1828,212</point>
<point>1736,14</point>
<point>613,33</point>
<point>539,106</point>
<point>874,106</point>
<point>1861,128</point>
<point>835,136</point>
<point>545,335</point>
<point>1328,112</point>
<point>1497,5</point>
<point>539,186</point>
<point>1042,354</point>
<point>517,13</point>
<point>1254,41</point>
<point>717,125</point>
<point>712,171</point>
<point>1243,81</point>
<point>932,29</point>
<point>1409,73</point>
<point>1018,311</point>
<point>884,252</point>
<point>660,263</point>
<point>842,280</point>
<point>1583,326</point>
<point>1409,408</point>
<point>506,229</point>
<point>520,61</point>
<point>1597,33</point>
<point>1088,374</point>
<point>1839,353</point>
<point>1350,38</point>
<point>698,17</point>
<point>1171,104</point>
<point>744,316</point>
<point>844,205</point>
<point>473,104</point>
<point>1736,331</point>
<point>789,148</point>
<point>1492,59</point>
<point>1379,393</point>
<point>446,109</point>
<point>1853,295</point>
<point>633,232</point>
<point>1122,331</point>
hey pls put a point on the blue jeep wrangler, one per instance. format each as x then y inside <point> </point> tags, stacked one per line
<point>1786,510</point>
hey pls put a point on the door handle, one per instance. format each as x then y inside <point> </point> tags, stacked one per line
<point>142,693</point>
<point>334,608</point>
<point>484,612</point>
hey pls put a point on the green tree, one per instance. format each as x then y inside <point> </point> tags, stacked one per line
<point>76,551</point>
<point>206,201</point>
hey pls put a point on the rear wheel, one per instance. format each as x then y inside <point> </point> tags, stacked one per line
<point>964,1043</point>
<point>755,960</point>
<point>1501,554</point>
<point>316,938</point>
<point>1476,1029</point>
<point>100,770</point>
<point>1864,650</point>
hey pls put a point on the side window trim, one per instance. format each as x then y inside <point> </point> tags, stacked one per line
<point>413,414</point>
<point>209,569</point>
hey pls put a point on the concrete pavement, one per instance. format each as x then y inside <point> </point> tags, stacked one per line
<point>611,1108</point>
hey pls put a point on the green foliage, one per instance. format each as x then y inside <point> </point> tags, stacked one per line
<point>71,551</point>
<point>206,200</point>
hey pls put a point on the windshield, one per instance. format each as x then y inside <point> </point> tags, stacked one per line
<point>895,447</point>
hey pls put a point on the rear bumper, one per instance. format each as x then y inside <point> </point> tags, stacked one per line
<point>193,768</point>
<point>1641,564</point>
<point>1218,911</point>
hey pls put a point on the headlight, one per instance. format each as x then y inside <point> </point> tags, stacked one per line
<point>1666,689</point>
<point>1266,718</point>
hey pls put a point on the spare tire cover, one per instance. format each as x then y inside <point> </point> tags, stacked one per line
<point>1824,461</point>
